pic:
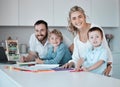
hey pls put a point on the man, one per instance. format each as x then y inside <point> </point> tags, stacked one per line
<point>38,42</point>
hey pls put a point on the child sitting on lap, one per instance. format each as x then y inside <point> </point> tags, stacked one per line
<point>95,59</point>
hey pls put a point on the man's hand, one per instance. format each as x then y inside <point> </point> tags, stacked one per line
<point>30,57</point>
<point>24,59</point>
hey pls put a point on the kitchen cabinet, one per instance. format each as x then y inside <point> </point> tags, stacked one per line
<point>105,12</point>
<point>32,10</point>
<point>55,12</point>
<point>62,8</point>
<point>8,12</point>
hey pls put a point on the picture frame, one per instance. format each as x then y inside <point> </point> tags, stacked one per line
<point>12,49</point>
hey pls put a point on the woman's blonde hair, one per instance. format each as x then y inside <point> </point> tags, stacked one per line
<point>56,32</point>
<point>71,28</point>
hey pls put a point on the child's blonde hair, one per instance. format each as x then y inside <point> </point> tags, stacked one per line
<point>56,32</point>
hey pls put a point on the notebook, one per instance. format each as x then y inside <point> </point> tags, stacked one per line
<point>3,57</point>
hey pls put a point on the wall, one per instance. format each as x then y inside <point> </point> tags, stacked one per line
<point>23,34</point>
<point>115,42</point>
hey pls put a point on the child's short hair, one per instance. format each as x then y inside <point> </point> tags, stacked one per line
<point>56,32</point>
<point>95,29</point>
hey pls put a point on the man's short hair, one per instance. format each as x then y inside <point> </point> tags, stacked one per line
<point>41,22</point>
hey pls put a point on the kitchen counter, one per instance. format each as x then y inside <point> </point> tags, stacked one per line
<point>11,78</point>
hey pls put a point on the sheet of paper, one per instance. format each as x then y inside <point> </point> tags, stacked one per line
<point>25,63</point>
<point>43,66</point>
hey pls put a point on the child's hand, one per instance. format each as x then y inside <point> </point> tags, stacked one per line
<point>39,61</point>
<point>85,69</point>
<point>78,69</point>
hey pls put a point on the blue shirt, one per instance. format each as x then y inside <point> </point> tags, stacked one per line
<point>61,56</point>
<point>93,56</point>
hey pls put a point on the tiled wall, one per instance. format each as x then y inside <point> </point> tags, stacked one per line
<point>23,34</point>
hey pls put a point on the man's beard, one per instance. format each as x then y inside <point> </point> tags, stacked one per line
<point>44,37</point>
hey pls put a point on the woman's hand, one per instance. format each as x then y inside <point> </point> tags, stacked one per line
<point>68,65</point>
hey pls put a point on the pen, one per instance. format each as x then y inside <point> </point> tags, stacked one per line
<point>15,68</point>
<point>19,69</point>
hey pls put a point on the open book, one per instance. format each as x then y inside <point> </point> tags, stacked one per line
<point>43,66</point>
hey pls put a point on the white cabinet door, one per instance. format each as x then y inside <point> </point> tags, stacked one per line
<point>8,12</point>
<point>62,7</point>
<point>105,12</point>
<point>32,10</point>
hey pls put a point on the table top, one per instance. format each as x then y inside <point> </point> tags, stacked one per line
<point>59,79</point>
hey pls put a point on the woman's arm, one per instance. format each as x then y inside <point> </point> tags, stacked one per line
<point>79,64</point>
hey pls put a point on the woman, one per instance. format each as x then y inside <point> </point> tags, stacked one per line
<point>79,27</point>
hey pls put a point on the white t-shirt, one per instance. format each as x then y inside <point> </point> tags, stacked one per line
<point>36,46</point>
<point>80,47</point>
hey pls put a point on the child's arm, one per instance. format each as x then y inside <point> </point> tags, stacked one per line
<point>60,52</point>
<point>39,61</point>
<point>96,65</point>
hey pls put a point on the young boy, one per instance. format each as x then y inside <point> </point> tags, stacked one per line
<point>95,59</point>
<point>58,52</point>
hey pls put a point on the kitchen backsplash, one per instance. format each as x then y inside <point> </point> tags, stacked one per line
<point>22,33</point>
